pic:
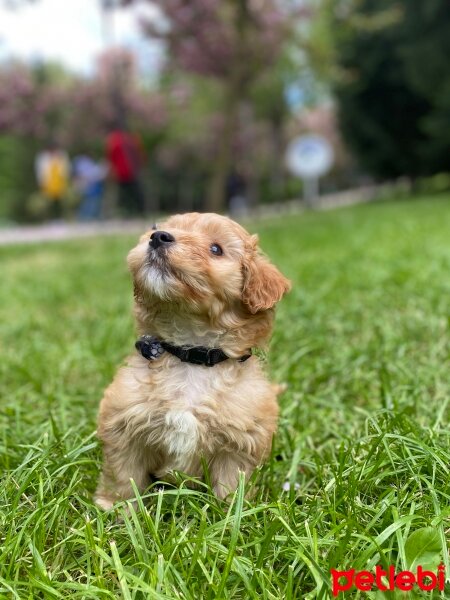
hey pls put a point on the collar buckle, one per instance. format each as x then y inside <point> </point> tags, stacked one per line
<point>210,360</point>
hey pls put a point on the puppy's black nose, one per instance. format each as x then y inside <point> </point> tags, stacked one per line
<point>161,238</point>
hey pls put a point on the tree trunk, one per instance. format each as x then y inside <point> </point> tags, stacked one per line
<point>236,88</point>
<point>186,194</point>
<point>215,201</point>
<point>277,171</point>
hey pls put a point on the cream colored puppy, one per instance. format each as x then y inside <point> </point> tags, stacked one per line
<point>204,297</point>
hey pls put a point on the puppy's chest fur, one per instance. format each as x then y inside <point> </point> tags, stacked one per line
<point>175,413</point>
<point>186,408</point>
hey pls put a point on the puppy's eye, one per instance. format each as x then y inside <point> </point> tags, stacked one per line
<point>216,250</point>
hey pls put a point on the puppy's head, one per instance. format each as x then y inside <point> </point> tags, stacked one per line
<point>207,264</point>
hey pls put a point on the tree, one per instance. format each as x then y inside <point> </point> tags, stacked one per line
<point>44,103</point>
<point>231,42</point>
<point>269,99</point>
<point>393,84</point>
<point>96,108</point>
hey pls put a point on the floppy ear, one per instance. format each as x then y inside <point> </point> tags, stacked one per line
<point>264,285</point>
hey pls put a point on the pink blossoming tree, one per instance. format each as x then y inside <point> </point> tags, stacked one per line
<point>230,41</point>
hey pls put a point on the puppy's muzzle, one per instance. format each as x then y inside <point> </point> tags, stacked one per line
<point>161,239</point>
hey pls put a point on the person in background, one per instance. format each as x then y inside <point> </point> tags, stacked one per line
<point>52,173</point>
<point>126,158</point>
<point>89,179</point>
<point>236,193</point>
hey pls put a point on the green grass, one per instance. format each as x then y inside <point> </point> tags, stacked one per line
<point>362,341</point>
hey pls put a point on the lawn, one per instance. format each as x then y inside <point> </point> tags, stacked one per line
<point>364,437</point>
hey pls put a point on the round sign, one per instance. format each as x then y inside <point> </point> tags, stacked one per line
<point>309,156</point>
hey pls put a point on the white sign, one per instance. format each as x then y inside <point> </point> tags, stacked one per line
<point>309,156</point>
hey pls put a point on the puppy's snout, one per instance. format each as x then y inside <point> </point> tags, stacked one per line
<point>161,238</point>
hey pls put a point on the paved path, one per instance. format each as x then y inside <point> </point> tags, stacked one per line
<point>65,231</point>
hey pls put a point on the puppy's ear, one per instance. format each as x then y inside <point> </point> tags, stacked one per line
<point>264,285</point>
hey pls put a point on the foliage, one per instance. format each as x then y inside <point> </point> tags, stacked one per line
<point>43,104</point>
<point>233,43</point>
<point>219,104</point>
<point>393,85</point>
<point>362,341</point>
<point>423,547</point>
<point>214,38</point>
<point>17,155</point>
<point>114,94</point>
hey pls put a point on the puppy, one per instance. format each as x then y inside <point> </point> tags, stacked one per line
<point>203,299</point>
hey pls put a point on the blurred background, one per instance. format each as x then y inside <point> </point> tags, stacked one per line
<point>114,108</point>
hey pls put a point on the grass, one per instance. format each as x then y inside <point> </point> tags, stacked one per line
<point>362,341</point>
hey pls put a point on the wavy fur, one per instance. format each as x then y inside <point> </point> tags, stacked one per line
<point>166,415</point>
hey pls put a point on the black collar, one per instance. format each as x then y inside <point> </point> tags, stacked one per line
<point>151,348</point>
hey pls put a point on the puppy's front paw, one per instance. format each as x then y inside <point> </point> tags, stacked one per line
<point>104,502</point>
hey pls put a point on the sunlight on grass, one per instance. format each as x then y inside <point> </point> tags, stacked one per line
<point>363,343</point>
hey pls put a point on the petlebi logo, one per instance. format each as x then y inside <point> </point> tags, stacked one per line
<point>423,570</point>
<point>388,580</point>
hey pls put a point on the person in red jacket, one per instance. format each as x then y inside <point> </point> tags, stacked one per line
<point>126,158</point>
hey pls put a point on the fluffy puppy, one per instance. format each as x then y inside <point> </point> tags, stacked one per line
<point>199,280</point>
